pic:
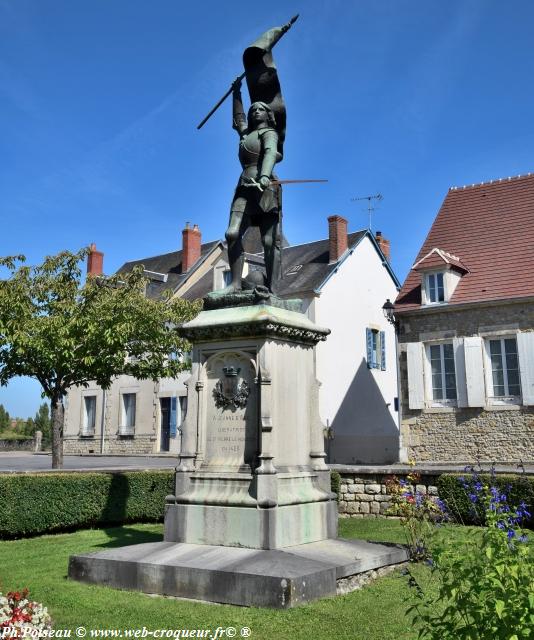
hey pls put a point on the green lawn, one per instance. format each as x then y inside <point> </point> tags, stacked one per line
<point>375,612</point>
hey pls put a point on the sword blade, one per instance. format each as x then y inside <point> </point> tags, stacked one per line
<point>295,181</point>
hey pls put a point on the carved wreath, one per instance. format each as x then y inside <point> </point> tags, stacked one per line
<point>237,401</point>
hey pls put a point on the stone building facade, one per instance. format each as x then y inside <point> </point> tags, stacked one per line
<point>465,320</point>
<point>495,431</point>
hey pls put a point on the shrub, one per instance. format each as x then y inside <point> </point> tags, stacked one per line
<point>418,512</point>
<point>484,586</point>
<point>13,435</point>
<point>455,491</point>
<point>32,504</point>
<point>335,482</point>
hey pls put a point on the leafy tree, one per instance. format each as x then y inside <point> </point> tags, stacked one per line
<point>64,334</point>
<point>29,427</point>
<point>20,426</point>
<point>41,422</point>
<point>5,420</point>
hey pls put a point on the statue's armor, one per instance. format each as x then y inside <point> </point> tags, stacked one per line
<point>251,155</point>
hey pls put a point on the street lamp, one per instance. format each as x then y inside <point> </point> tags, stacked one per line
<point>388,309</point>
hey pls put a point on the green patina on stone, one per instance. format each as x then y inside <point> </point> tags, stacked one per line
<point>259,295</point>
<point>260,320</point>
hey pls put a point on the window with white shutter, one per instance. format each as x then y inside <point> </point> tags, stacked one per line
<point>416,389</point>
<point>502,370</point>
<point>525,349</point>
<point>441,374</point>
<point>459,365</point>
<point>474,372</point>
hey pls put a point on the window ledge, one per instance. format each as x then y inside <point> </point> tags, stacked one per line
<point>503,407</point>
<point>439,409</point>
<point>87,435</point>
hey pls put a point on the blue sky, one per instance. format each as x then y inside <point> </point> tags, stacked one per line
<point>99,102</point>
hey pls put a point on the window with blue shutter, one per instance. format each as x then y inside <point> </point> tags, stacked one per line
<point>369,340</point>
<point>376,349</point>
<point>172,429</point>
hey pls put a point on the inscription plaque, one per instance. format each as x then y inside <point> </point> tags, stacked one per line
<point>231,415</point>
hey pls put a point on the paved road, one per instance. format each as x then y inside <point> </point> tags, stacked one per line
<point>22,461</point>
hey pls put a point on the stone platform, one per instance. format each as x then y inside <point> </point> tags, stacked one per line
<point>280,578</point>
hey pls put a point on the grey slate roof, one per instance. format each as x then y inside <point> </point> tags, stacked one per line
<point>314,258</point>
<point>309,263</point>
<point>169,264</point>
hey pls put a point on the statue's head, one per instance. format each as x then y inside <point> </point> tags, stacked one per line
<point>260,113</point>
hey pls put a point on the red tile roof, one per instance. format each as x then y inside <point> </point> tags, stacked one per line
<point>490,228</point>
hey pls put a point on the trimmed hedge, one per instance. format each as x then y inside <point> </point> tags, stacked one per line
<point>12,435</point>
<point>518,488</point>
<point>32,504</point>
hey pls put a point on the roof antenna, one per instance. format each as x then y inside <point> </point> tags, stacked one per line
<point>370,209</point>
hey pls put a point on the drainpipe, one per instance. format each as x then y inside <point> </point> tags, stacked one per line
<point>389,313</point>
<point>103,421</point>
<point>403,456</point>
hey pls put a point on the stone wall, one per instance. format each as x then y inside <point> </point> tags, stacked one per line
<point>125,445</point>
<point>466,435</point>
<point>504,434</point>
<point>364,494</point>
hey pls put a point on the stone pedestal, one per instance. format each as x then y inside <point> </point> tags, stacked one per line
<point>252,520</point>
<point>252,470</point>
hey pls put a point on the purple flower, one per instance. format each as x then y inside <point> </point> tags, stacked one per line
<point>523,512</point>
<point>510,534</point>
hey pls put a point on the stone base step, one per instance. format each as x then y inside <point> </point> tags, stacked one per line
<point>248,577</point>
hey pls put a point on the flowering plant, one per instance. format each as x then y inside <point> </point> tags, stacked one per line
<point>18,613</point>
<point>484,586</point>
<point>417,510</point>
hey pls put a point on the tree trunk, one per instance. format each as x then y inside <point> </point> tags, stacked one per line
<point>57,411</point>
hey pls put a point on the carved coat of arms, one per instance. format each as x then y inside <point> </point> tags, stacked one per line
<point>229,391</point>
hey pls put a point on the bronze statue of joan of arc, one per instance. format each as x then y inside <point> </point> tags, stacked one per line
<point>257,201</point>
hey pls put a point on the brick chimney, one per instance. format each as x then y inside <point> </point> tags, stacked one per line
<point>383,244</point>
<point>95,261</point>
<point>191,240</point>
<point>337,237</point>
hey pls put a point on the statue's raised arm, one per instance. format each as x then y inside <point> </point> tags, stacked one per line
<point>239,119</point>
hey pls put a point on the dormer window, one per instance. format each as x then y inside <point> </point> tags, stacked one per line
<point>435,287</point>
<point>440,274</point>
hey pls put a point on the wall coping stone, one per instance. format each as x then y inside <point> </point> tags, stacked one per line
<point>427,469</point>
